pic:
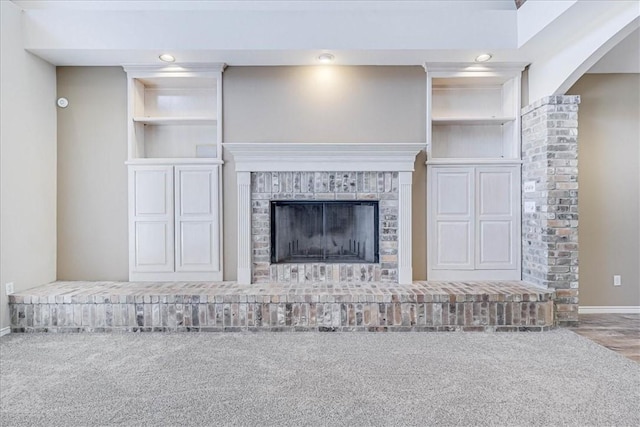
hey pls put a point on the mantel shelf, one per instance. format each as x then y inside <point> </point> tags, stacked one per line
<point>472,121</point>
<point>176,120</point>
<point>265,156</point>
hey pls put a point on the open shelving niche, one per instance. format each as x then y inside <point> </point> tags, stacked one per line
<point>473,113</point>
<point>175,114</point>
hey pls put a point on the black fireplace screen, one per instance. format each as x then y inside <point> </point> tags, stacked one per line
<point>336,231</point>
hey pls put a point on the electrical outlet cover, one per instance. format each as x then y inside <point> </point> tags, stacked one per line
<point>529,207</point>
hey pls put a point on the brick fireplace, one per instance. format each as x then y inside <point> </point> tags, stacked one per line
<point>381,187</point>
<point>335,172</point>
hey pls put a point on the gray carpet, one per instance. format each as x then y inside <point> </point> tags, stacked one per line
<point>554,378</point>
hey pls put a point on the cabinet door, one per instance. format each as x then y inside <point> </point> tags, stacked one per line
<point>151,218</point>
<point>497,224</point>
<point>197,218</point>
<point>452,223</point>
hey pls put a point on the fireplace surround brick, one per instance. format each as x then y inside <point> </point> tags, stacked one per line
<point>339,185</point>
<point>550,232</point>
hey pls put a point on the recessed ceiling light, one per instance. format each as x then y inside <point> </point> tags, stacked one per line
<point>483,58</point>
<point>326,58</point>
<point>167,58</point>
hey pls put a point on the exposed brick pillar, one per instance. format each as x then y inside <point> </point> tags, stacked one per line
<point>550,200</point>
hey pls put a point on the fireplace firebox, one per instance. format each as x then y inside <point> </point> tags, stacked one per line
<point>324,231</point>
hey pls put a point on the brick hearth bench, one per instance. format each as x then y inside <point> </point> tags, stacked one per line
<point>227,306</point>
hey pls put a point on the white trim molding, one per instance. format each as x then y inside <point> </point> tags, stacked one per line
<point>175,69</point>
<point>244,228</point>
<point>5,331</point>
<point>313,157</point>
<point>405,270</point>
<point>610,309</point>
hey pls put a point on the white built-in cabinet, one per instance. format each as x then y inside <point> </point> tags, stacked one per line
<point>474,222</point>
<point>473,172</point>
<point>175,173</point>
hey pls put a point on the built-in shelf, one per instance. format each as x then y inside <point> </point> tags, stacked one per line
<point>176,120</point>
<point>473,113</point>
<point>473,171</point>
<point>175,172</point>
<point>472,121</point>
<point>175,112</point>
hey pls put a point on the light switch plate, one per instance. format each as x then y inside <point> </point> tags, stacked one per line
<point>529,186</point>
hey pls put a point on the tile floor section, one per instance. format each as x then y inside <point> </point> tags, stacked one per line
<point>227,306</point>
<point>617,332</point>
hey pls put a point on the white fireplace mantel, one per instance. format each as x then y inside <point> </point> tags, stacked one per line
<point>307,157</point>
<point>324,157</point>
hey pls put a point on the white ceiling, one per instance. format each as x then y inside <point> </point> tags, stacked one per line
<point>294,32</point>
<point>252,4</point>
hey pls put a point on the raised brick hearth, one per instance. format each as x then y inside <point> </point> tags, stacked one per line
<point>227,306</point>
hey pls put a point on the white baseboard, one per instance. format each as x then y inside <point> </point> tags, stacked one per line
<point>624,309</point>
<point>5,331</point>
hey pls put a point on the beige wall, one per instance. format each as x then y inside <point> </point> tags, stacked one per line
<point>305,104</point>
<point>27,163</point>
<point>324,104</point>
<point>92,176</point>
<point>609,180</point>
<point>346,104</point>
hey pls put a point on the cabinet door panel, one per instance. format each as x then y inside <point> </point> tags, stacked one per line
<point>197,218</point>
<point>495,192</point>
<point>195,244</point>
<point>151,191</point>
<point>451,228</point>
<point>496,242</point>
<point>151,218</point>
<point>195,192</point>
<point>454,245</point>
<point>497,217</point>
<point>453,192</point>
<point>152,246</point>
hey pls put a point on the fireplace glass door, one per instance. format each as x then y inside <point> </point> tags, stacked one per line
<point>335,231</point>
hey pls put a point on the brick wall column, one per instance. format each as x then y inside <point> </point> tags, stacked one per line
<point>550,200</point>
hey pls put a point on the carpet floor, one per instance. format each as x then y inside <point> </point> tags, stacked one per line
<point>454,379</point>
